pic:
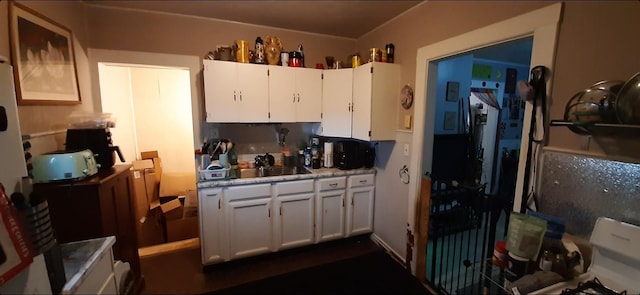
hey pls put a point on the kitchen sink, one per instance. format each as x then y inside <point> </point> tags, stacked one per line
<point>271,171</point>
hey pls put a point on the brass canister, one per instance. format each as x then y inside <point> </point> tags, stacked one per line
<point>374,54</point>
<point>355,61</point>
<point>242,51</point>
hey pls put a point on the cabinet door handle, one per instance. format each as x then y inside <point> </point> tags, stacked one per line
<point>219,203</point>
<point>363,181</point>
<point>351,201</point>
<point>333,184</point>
<point>234,95</point>
<point>269,212</point>
<point>280,210</point>
<point>240,95</point>
<point>349,108</point>
<point>294,97</point>
<point>353,107</point>
<point>342,202</point>
<point>298,97</point>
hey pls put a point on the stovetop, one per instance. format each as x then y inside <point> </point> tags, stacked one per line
<point>592,287</point>
<point>615,267</point>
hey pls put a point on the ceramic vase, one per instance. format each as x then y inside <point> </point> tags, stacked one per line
<point>272,48</point>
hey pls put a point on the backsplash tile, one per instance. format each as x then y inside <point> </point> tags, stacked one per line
<point>580,189</point>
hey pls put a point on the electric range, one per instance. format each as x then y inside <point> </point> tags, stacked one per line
<point>615,262</point>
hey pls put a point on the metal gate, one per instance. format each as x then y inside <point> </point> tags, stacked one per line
<point>462,233</point>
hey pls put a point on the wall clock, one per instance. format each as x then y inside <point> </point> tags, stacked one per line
<point>406,96</point>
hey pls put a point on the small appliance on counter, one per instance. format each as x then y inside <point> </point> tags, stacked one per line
<point>98,140</point>
<point>348,155</point>
<point>64,165</point>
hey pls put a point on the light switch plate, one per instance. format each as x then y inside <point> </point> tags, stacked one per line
<point>407,121</point>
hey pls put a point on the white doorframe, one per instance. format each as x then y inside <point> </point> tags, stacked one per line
<point>542,24</point>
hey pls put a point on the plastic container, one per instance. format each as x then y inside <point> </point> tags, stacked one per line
<point>500,254</point>
<point>213,174</point>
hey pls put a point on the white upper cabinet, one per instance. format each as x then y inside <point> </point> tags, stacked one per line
<point>337,91</point>
<point>376,92</point>
<point>295,94</point>
<point>236,92</point>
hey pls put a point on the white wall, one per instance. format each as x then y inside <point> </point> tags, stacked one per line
<point>115,87</point>
<point>162,108</point>
<point>153,110</point>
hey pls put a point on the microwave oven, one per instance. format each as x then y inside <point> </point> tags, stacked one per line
<point>349,154</point>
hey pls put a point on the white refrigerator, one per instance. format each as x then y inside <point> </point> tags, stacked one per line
<point>34,279</point>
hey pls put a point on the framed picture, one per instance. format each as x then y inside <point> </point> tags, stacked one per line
<point>453,90</point>
<point>43,60</point>
<point>450,120</point>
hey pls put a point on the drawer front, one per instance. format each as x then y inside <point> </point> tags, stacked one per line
<point>326,184</point>
<point>361,180</point>
<point>294,187</point>
<point>247,192</point>
<point>100,272</point>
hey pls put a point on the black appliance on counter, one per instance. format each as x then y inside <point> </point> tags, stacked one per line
<point>98,140</point>
<point>351,154</point>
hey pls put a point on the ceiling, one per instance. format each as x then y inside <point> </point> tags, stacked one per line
<point>350,19</point>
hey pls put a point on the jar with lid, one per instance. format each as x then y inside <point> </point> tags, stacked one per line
<point>390,48</point>
<point>374,54</point>
<point>546,261</point>
<point>295,59</point>
<point>355,61</point>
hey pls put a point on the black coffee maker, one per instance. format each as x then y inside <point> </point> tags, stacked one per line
<point>98,140</point>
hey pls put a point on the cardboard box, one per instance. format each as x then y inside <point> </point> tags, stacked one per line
<point>191,198</point>
<point>172,210</point>
<point>182,229</point>
<point>141,202</point>
<point>149,155</point>
<point>151,229</point>
<point>157,163</point>
<point>142,164</point>
<point>144,184</point>
<point>177,184</point>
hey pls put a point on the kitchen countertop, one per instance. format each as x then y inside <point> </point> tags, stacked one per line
<point>78,257</point>
<point>315,173</point>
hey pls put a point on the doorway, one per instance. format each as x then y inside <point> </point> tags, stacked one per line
<point>153,69</point>
<point>466,219</point>
<point>152,106</point>
<point>542,26</point>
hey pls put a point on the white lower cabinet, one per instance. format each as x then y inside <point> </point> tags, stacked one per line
<point>360,198</point>
<point>212,226</point>
<point>295,222</point>
<point>248,220</point>
<point>248,211</point>
<point>330,195</point>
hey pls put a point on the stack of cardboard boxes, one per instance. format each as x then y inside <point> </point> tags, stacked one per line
<point>166,204</point>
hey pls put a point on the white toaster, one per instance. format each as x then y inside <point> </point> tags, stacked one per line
<point>64,165</point>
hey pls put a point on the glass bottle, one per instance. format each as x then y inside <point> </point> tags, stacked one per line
<point>307,157</point>
<point>259,53</point>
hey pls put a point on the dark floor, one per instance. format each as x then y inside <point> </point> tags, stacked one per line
<point>181,272</point>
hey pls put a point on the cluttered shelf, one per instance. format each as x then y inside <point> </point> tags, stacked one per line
<point>599,129</point>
